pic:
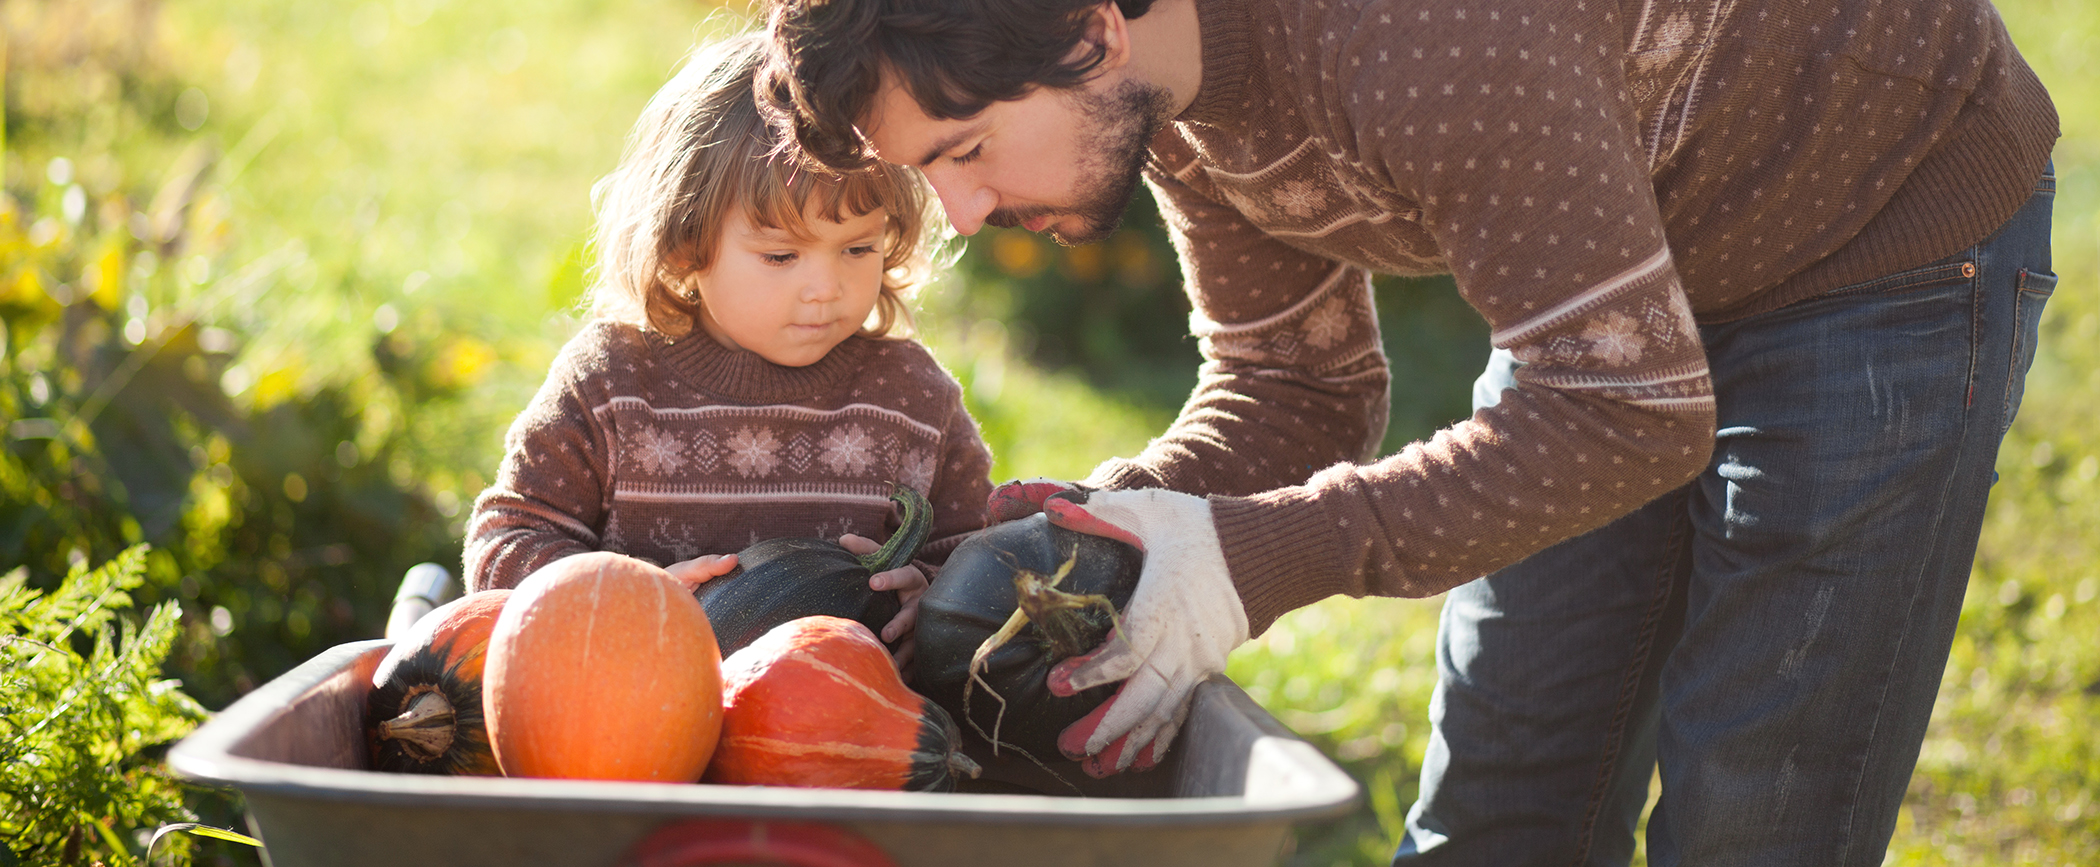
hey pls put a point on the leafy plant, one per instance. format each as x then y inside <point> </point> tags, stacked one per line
<point>84,715</point>
<point>147,402</point>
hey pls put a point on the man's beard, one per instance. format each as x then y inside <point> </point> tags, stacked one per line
<point>1112,162</point>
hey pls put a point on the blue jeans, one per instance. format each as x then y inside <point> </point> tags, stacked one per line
<point>1771,635</point>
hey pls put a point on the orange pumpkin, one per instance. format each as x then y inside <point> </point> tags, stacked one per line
<point>816,702</point>
<point>423,714</point>
<point>603,667</point>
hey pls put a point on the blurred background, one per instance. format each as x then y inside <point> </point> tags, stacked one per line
<point>277,276</point>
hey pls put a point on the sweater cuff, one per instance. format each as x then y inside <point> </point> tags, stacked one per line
<point>1118,474</point>
<point>1279,548</point>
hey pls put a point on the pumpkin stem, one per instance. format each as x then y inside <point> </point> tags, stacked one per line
<point>425,729</point>
<point>962,766</point>
<point>916,524</point>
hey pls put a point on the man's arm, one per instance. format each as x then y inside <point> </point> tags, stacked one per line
<point>1514,134</point>
<point>1294,377</point>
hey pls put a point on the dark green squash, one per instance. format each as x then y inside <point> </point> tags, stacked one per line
<point>424,713</point>
<point>976,595</point>
<point>779,580</point>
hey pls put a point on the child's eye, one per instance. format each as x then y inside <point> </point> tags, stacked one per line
<point>861,250</point>
<point>970,157</point>
<point>777,258</point>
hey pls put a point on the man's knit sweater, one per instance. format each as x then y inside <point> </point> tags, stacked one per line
<point>1598,177</point>
<point>669,450</point>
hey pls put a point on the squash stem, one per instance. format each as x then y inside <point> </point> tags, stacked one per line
<point>425,729</point>
<point>963,766</point>
<point>912,530</point>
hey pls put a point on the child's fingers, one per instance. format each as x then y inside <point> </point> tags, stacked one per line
<point>903,656</point>
<point>859,546</point>
<point>904,579</point>
<point>901,625</point>
<point>699,570</point>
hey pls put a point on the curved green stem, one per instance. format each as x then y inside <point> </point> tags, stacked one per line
<point>917,524</point>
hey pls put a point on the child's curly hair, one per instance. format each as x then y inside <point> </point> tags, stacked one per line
<point>700,149</point>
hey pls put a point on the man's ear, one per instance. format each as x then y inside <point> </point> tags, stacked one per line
<point>1107,31</point>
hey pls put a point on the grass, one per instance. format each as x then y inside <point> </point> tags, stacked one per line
<point>420,169</point>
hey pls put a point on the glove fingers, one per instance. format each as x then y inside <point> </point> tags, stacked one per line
<point>1125,753</point>
<point>1072,741</point>
<point>1139,748</point>
<point>1110,761</point>
<point>1075,517</point>
<point>1114,660</point>
<point>1157,726</point>
<point>1022,497</point>
<point>1150,757</point>
<point>1138,699</point>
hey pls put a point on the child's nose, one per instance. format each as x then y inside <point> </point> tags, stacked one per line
<point>826,283</point>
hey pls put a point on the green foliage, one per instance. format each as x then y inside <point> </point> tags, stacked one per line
<point>146,403</point>
<point>1353,676</point>
<point>83,713</point>
<point>1112,312</point>
<point>1113,315</point>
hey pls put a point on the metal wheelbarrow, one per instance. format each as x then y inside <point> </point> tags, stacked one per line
<point>1228,794</point>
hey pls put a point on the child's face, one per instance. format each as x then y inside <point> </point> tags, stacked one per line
<point>791,300</point>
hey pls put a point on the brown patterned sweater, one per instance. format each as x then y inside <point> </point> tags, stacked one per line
<point>1598,177</point>
<point>669,450</point>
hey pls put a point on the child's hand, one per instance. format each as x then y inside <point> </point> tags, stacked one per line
<point>699,570</point>
<point>910,584</point>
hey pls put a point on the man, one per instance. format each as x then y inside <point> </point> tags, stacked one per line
<point>1762,279</point>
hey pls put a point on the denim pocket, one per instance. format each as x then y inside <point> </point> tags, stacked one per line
<point>1953,269</point>
<point>2034,289</point>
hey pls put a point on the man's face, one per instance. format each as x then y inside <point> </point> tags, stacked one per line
<point>1060,162</point>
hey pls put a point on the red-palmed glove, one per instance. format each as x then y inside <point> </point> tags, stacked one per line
<point>1182,621</point>
<point>1020,498</point>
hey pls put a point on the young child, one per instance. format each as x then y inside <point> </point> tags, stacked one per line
<point>739,379</point>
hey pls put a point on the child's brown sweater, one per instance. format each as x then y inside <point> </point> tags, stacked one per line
<point>1598,176</point>
<point>666,451</point>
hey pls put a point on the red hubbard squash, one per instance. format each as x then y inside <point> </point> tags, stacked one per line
<point>423,714</point>
<point>603,667</point>
<point>816,702</point>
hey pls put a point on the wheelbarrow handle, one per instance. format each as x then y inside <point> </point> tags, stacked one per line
<point>426,586</point>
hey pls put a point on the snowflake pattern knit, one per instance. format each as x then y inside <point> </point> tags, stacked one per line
<point>666,451</point>
<point>1599,178</point>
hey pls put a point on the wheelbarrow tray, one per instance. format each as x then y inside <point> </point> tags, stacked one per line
<point>1233,786</point>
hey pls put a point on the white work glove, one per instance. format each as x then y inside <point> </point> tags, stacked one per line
<point>1182,621</point>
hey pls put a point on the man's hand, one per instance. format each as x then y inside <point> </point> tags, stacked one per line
<point>1183,620</point>
<point>910,584</point>
<point>700,570</point>
<point>1023,497</point>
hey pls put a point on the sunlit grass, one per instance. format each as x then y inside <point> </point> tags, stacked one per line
<point>1354,677</point>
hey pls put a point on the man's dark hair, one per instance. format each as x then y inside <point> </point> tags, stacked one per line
<point>955,57</point>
